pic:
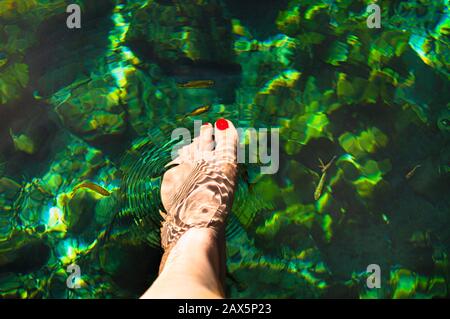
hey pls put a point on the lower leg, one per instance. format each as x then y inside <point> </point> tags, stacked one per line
<point>191,269</point>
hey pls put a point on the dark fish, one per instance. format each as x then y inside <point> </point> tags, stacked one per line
<point>198,111</point>
<point>324,168</point>
<point>63,94</point>
<point>93,187</point>
<point>412,171</point>
<point>198,84</point>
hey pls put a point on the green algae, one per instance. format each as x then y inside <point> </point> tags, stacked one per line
<point>366,142</point>
<point>376,99</point>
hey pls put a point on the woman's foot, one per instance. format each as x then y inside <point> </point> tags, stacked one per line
<point>197,195</point>
<point>198,192</point>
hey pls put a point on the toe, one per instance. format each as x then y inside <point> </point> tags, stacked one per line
<point>206,142</point>
<point>226,138</point>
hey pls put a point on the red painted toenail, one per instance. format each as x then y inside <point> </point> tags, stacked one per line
<point>222,124</point>
<point>206,123</point>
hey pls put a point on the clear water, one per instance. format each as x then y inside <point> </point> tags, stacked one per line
<point>74,102</point>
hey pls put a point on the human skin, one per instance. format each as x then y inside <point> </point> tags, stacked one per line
<point>197,195</point>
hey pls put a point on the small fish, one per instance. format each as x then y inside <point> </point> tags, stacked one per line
<point>93,187</point>
<point>412,172</point>
<point>37,95</point>
<point>63,94</point>
<point>385,218</point>
<point>198,84</point>
<point>199,110</point>
<point>324,169</point>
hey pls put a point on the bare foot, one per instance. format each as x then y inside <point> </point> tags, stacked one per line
<point>198,192</point>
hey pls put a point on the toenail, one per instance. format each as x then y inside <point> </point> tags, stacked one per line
<point>222,124</point>
<point>207,123</point>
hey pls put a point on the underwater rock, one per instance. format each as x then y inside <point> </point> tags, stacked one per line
<point>105,210</point>
<point>420,238</point>
<point>297,219</point>
<point>182,30</point>
<point>54,182</point>
<point>281,93</point>
<point>23,143</point>
<point>76,163</point>
<point>26,258</point>
<point>264,65</point>
<point>51,204</point>
<point>288,21</point>
<point>18,245</point>
<point>148,103</point>
<point>117,259</point>
<point>9,192</point>
<point>426,179</point>
<point>259,278</point>
<point>36,10</point>
<point>437,287</point>
<point>91,110</point>
<point>9,188</point>
<point>408,284</point>
<point>79,211</point>
<point>337,53</point>
<point>304,183</point>
<point>429,25</point>
<point>300,271</point>
<point>57,284</point>
<point>2,166</point>
<point>14,72</point>
<point>73,191</point>
<point>32,204</point>
<point>13,80</point>
<point>352,90</point>
<point>3,59</point>
<point>10,286</point>
<point>7,226</point>
<point>443,121</point>
<point>366,142</point>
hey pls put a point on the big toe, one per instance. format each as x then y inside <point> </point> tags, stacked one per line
<point>226,138</point>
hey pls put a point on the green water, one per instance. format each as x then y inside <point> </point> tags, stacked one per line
<point>74,102</point>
